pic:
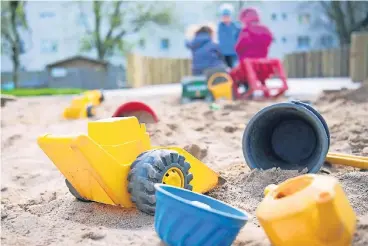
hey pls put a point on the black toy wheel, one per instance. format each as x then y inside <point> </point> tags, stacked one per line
<point>102,98</point>
<point>90,110</point>
<point>156,166</point>
<point>74,192</point>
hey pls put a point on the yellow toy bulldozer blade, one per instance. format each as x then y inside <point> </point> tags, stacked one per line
<point>97,166</point>
<point>68,155</point>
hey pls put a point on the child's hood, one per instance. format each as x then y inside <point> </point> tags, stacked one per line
<point>199,40</point>
<point>249,16</point>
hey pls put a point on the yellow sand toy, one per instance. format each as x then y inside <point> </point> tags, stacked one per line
<point>116,164</point>
<point>220,85</point>
<point>348,160</point>
<point>307,210</point>
<point>83,106</point>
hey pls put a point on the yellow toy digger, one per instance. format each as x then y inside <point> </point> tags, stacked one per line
<point>83,106</point>
<point>116,164</point>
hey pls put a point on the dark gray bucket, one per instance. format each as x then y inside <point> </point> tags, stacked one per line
<point>291,136</point>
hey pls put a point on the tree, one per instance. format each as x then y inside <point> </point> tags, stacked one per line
<point>122,19</point>
<point>363,25</point>
<point>13,20</point>
<point>346,17</point>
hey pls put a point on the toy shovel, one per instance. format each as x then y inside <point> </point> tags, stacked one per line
<point>348,160</point>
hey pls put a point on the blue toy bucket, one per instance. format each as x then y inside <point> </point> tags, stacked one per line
<point>291,136</point>
<point>183,217</point>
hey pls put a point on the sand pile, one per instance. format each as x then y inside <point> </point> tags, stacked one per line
<point>359,95</point>
<point>245,189</point>
<point>347,119</point>
<point>37,208</point>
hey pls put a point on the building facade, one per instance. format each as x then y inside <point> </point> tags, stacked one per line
<point>57,28</point>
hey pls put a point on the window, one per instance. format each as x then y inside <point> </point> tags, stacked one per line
<point>284,16</point>
<point>58,72</point>
<point>273,16</point>
<point>304,19</point>
<point>327,41</point>
<point>284,40</point>
<point>165,44</point>
<point>303,42</point>
<point>45,15</point>
<point>142,43</point>
<point>49,46</point>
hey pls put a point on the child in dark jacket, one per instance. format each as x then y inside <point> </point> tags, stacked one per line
<point>205,51</point>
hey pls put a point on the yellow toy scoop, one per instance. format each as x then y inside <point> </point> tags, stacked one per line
<point>348,160</point>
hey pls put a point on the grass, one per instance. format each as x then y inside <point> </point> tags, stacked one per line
<point>42,92</point>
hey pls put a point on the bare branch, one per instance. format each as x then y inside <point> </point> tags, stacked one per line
<point>351,14</point>
<point>113,22</point>
<point>327,8</point>
<point>340,21</point>
<point>120,35</point>
<point>122,22</point>
<point>97,13</point>
<point>7,36</point>
<point>362,24</point>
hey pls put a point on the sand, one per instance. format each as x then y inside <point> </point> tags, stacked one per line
<point>37,208</point>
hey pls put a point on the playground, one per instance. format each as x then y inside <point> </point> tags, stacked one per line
<point>37,209</point>
<point>230,146</point>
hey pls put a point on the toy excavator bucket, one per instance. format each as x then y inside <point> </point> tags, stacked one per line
<point>204,178</point>
<point>83,105</point>
<point>97,165</point>
<point>78,109</point>
<point>142,111</point>
<point>83,163</point>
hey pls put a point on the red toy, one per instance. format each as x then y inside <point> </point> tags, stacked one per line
<point>142,111</point>
<point>253,73</point>
<point>254,68</point>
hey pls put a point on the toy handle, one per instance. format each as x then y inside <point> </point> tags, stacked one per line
<point>348,160</point>
<point>214,76</point>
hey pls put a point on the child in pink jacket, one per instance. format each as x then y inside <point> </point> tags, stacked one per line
<point>254,39</point>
